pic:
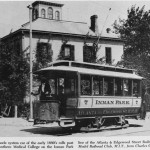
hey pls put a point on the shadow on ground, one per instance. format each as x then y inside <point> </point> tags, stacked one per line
<point>135,125</point>
<point>58,131</point>
<point>55,131</point>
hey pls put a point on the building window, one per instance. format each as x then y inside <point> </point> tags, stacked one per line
<point>57,15</point>
<point>89,54</point>
<point>108,55</point>
<point>67,52</point>
<point>43,13</point>
<point>50,13</point>
<point>34,15</point>
<point>17,47</point>
<point>44,52</point>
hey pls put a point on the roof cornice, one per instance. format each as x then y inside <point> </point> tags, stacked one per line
<point>64,34</point>
<point>46,3</point>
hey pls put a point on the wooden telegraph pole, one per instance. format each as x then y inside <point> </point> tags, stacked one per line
<point>31,76</point>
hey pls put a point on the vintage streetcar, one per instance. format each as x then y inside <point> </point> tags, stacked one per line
<point>87,95</point>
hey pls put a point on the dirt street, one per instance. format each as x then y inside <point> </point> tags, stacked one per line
<point>11,127</point>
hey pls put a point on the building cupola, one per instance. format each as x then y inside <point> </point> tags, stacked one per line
<point>47,10</point>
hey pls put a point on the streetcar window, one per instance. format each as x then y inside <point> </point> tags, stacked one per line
<point>127,87</point>
<point>52,84</point>
<point>44,89</point>
<point>136,88</point>
<point>118,87</point>
<point>61,85</point>
<point>97,86</point>
<point>70,87</point>
<point>108,86</point>
<point>85,85</point>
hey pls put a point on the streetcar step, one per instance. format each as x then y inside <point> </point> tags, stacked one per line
<point>85,129</point>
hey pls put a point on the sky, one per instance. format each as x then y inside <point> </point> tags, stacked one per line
<point>15,13</point>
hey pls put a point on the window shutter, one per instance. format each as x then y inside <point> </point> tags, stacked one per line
<point>33,14</point>
<point>49,51</point>
<point>108,55</point>
<point>84,53</point>
<point>63,50</point>
<point>72,52</point>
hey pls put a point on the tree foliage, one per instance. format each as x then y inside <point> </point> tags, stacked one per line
<point>135,31</point>
<point>43,55</point>
<point>90,52</point>
<point>14,71</point>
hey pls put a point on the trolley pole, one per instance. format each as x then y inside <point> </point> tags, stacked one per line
<point>31,76</point>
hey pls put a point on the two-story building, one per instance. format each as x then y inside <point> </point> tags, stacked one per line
<point>55,34</point>
<point>73,40</point>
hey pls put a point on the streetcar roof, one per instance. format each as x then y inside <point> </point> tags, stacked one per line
<point>74,63</point>
<point>89,71</point>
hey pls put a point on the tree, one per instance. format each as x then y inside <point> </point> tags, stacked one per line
<point>14,72</point>
<point>135,31</point>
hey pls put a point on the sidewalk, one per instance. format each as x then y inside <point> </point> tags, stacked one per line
<point>14,122</point>
<point>22,122</point>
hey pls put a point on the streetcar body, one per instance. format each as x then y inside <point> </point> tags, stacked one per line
<point>81,93</point>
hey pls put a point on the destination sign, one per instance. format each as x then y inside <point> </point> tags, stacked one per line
<point>108,102</point>
<point>104,102</point>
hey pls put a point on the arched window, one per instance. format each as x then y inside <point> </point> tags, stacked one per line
<point>50,13</point>
<point>57,15</point>
<point>34,15</point>
<point>43,13</point>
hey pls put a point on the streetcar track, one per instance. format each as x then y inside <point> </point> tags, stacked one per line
<point>130,133</point>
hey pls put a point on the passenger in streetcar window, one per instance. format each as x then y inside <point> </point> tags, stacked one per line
<point>61,86</point>
<point>126,88</point>
<point>135,89</point>
<point>108,86</point>
<point>61,95</point>
<point>118,87</point>
<point>44,90</point>
<point>70,87</point>
<point>105,88</point>
<point>52,84</point>
<point>85,87</point>
<point>96,86</point>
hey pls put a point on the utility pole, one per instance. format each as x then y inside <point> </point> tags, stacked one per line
<point>31,76</point>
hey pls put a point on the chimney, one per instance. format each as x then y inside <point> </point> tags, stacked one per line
<point>94,25</point>
<point>108,30</point>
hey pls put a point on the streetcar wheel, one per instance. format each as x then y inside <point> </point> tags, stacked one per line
<point>36,121</point>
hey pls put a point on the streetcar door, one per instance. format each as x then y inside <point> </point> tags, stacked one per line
<point>66,91</point>
<point>47,109</point>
